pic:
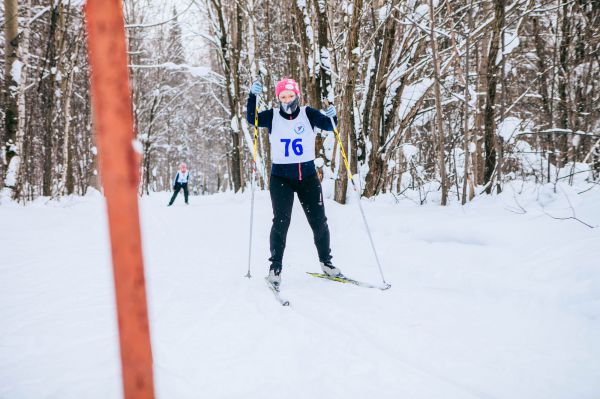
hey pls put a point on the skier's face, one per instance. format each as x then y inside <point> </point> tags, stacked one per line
<point>289,101</point>
<point>287,96</point>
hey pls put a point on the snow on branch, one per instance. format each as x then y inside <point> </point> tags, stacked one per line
<point>196,71</point>
<point>150,25</point>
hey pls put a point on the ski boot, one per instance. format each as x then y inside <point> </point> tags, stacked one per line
<point>274,274</point>
<point>330,270</point>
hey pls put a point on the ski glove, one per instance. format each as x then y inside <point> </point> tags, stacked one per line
<point>256,88</point>
<point>330,112</point>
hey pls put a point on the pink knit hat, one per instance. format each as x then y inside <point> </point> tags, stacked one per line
<point>287,84</point>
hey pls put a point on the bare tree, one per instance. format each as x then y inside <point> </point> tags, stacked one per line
<point>438,107</point>
<point>12,71</point>
<point>347,126</point>
<point>492,80</point>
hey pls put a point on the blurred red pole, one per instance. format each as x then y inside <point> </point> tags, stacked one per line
<point>119,163</point>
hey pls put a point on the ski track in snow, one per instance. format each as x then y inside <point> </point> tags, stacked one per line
<point>484,303</point>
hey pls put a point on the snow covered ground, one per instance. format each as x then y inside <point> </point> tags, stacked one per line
<point>492,300</point>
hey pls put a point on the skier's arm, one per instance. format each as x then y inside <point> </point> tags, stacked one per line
<point>265,118</point>
<point>175,181</point>
<point>317,119</point>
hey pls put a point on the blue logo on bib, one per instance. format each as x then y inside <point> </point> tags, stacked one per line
<point>299,129</point>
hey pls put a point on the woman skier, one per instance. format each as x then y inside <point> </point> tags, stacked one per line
<point>292,138</point>
<point>181,182</point>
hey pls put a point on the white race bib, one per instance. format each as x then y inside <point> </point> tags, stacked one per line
<point>182,177</point>
<point>292,141</point>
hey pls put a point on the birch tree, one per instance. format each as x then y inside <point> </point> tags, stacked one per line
<point>12,72</point>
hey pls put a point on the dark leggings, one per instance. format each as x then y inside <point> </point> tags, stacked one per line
<point>179,186</point>
<point>310,195</point>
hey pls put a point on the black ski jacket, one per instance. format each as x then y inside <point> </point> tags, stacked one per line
<point>265,119</point>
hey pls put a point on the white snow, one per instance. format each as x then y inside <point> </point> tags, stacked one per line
<point>508,128</point>
<point>15,71</point>
<point>137,144</point>
<point>409,151</point>
<point>383,12</point>
<point>199,71</point>
<point>196,71</point>
<point>234,124</point>
<point>511,42</point>
<point>421,11</point>
<point>492,300</point>
<point>325,58</point>
<point>11,172</point>
<point>411,94</point>
<point>578,171</point>
<point>393,84</point>
<point>322,5</point>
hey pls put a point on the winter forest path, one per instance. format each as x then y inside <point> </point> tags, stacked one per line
<point>484,303</point>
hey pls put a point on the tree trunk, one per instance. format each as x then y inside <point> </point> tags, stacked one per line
<point>489,112</point>
<point>230,57</point>
<point>20,143</point>
<point>371,75</point>
<point>324,82</point>
<point>467,180</point>
<point>563,83</point>
<point>49,104</point>
<point>12,72</point>
<point>148,148</point>
<point>347,129</point>
<point>543,81</point>
<point>236,155</point>
<point>482,62</point>
<point>325,86</point>
<point>301,15</point>
<point>438,107</point>
<point>376,128</point>
<point>66,181</point>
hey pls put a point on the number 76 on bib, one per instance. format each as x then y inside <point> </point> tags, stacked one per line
<point>295,144</point>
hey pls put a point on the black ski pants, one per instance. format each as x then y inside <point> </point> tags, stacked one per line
<point>179,186</point>
<point>310,195</point>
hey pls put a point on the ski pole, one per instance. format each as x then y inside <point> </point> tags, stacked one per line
<point>362,212</point>
<point>252,185</point>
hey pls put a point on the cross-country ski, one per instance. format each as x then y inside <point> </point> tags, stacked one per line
<point>275,289</point>
<point>346,280</point>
